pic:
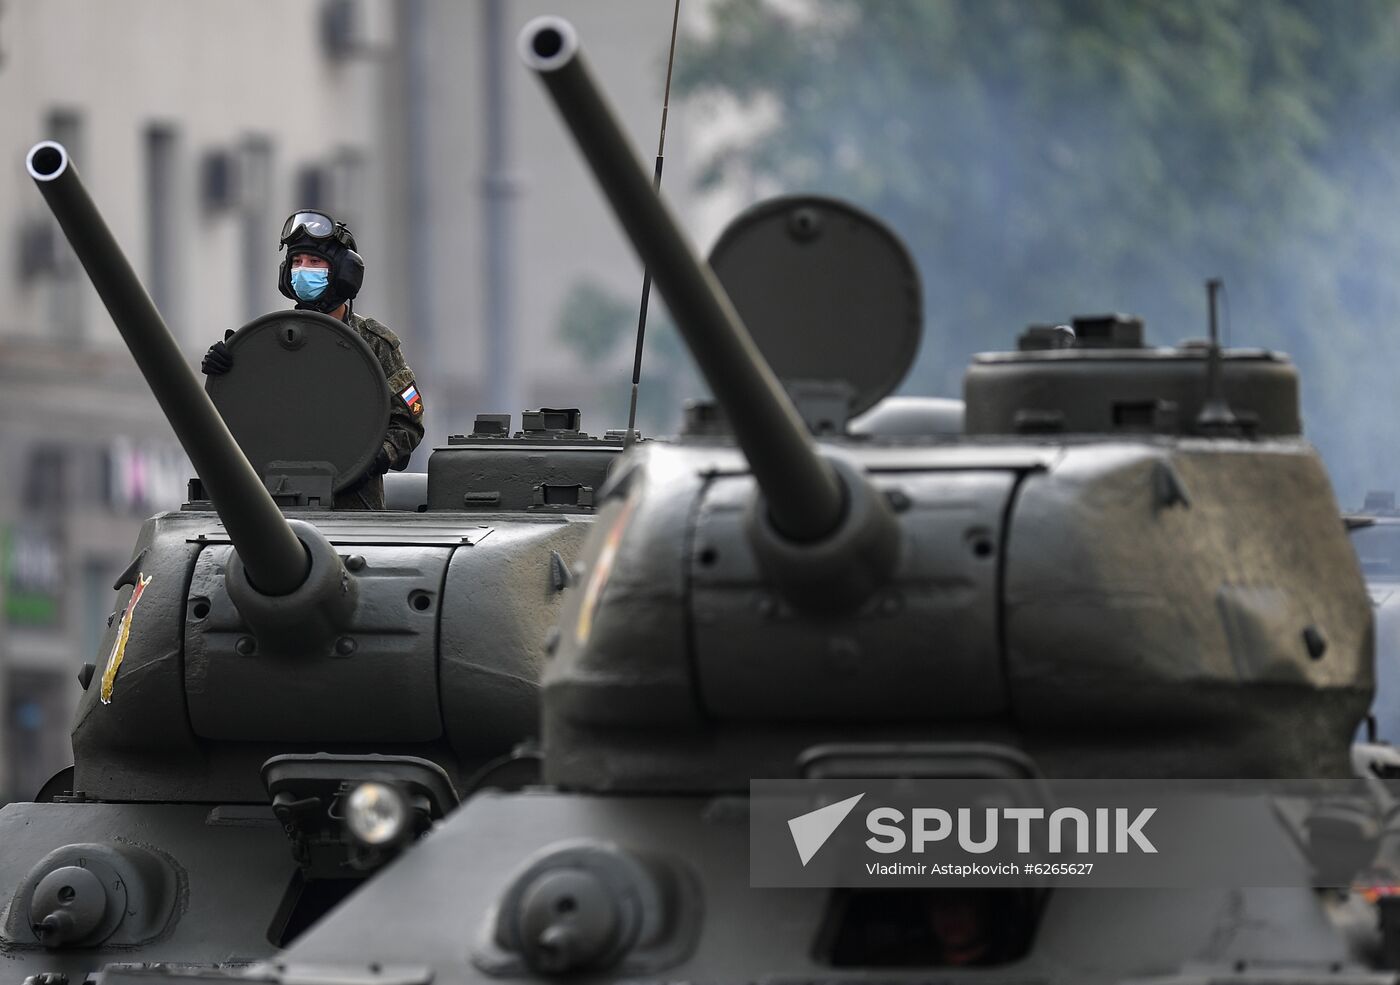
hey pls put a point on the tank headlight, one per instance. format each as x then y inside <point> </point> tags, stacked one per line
<point>376,814</point>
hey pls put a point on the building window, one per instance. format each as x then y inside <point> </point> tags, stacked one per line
<point>46,478</point>
<point>31,567</point>
<point>141,478</point>
<point>313,188</point>
<point>259,231</point>
<point>35,739</point>
<point>346,173</point>
<point>218,181</point>
<point>163,248</point>
<point>334,184</point>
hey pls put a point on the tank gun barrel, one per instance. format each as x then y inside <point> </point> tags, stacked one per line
<point>275,560</point>
<point>805,497</point>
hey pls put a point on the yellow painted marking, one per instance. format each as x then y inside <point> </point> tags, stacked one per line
<point>114,659</point>
<point>602,569</point>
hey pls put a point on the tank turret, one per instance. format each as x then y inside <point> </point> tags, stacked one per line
<point>287,696</point>
<point>1082,458</point>
<point>290,631</point>
<point>1127,563</point>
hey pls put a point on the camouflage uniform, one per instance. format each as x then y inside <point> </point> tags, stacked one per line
<point>405,416</point>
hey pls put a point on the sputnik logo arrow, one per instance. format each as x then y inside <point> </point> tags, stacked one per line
<point>811,830</point>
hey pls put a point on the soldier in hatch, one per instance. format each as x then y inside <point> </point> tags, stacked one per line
<point>322,272</point>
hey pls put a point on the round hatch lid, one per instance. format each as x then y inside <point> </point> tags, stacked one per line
<point>829,293</point>
<point>304,387</point>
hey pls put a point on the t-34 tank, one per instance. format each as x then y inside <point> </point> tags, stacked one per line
<point>287,694</point>
<point>1129,565</point>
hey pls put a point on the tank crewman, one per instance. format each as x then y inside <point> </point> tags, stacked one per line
<point>322,272</point>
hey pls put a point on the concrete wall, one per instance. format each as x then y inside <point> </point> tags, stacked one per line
<point>219,76</point>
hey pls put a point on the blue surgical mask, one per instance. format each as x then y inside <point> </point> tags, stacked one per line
<point>310,282</point>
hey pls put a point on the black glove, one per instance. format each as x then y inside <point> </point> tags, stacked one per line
<point>381,461</point>
<point>218,360</point>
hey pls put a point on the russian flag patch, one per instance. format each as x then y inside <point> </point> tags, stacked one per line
<point>412,399</point>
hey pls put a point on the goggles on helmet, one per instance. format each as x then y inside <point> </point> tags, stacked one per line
<point>316,225</point>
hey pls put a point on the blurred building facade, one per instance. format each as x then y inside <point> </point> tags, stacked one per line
<point>510,221</point>
<point>198,127</point>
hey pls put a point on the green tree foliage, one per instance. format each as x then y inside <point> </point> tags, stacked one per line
<point>600,327</point>
<point>1056,157</point>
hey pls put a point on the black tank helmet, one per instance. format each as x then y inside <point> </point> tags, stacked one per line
<point>312,231</point>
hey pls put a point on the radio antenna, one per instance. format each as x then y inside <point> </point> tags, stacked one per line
<point>646,272</point>
<point>1215,416</point>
